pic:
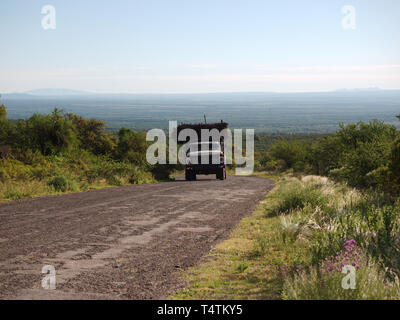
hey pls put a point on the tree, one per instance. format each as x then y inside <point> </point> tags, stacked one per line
<point>3,112</point>
<point>92,135</point>
<point>6,130</point>
<point>294,153</point>
<point>132,146</point>
<point>365,148</point>
<point>50,134</point>
<point>395,160</point>
<point>362,151</point>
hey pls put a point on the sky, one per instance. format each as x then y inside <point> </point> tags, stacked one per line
<point>193,46</point>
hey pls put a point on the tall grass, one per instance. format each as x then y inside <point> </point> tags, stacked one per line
<point>325,215</point>
<point>317,284</point>
<point>39,175</point>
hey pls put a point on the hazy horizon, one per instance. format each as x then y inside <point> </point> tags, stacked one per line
<point>68,91</point>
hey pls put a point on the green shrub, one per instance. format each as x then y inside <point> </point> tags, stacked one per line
<point>139,177</point>
<point>14,170</point>
<point>292,152</point>
<point>362,155</point>
<point>162,172</point>
<point>92,136</point>
<point>49,134</point>
<point>6,130</point>
<point>132,146</point>
<point>70,153</point>
<point>114,181</point>
<point>295,195</point>
<point>3,112</point>
<point>62,184</point>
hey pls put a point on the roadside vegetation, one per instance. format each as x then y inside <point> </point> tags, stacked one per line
<point>336,203</point>
<point>58,152</point>
<point>296,242</point>
<point>362,155</point>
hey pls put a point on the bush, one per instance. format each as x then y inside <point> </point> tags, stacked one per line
<point>14,170</point>
<point>92,135</point>
<point>358,150</point>
<point>63,153</point>
<point>162,172</point>
<point>49,134</point>
<point>363,155</point>
<point>132,146</point>
<point>294,153</point>
<point>3,112</point>
<point>394,167</point>
<point>62,184</point>
<point>139,177</point>
<point>6,130</point>
<point>293,195</point>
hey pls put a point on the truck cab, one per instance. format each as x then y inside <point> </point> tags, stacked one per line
<point>205,158</point>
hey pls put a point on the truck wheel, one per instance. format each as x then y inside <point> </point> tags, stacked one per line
<point>221,175</point>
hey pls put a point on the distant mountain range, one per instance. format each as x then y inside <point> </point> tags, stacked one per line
<point>219,96</point>
<point>57,92</point>
<point>373,89</point>
<point>46,93</point>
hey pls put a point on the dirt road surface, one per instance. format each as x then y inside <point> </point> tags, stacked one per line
<point>119,243</point>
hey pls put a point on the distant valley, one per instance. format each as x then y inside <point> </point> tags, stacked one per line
<point>272,113</point>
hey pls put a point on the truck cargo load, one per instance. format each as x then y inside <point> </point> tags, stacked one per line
<point>202,159</point>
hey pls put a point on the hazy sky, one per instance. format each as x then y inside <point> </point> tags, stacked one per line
<point>174,46</point>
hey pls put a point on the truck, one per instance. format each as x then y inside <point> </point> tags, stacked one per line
<point>205,157</point>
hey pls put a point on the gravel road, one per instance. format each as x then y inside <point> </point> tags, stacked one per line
<point>119,243</point>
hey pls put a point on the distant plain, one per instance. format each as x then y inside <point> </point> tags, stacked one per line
<point>270,113</point>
